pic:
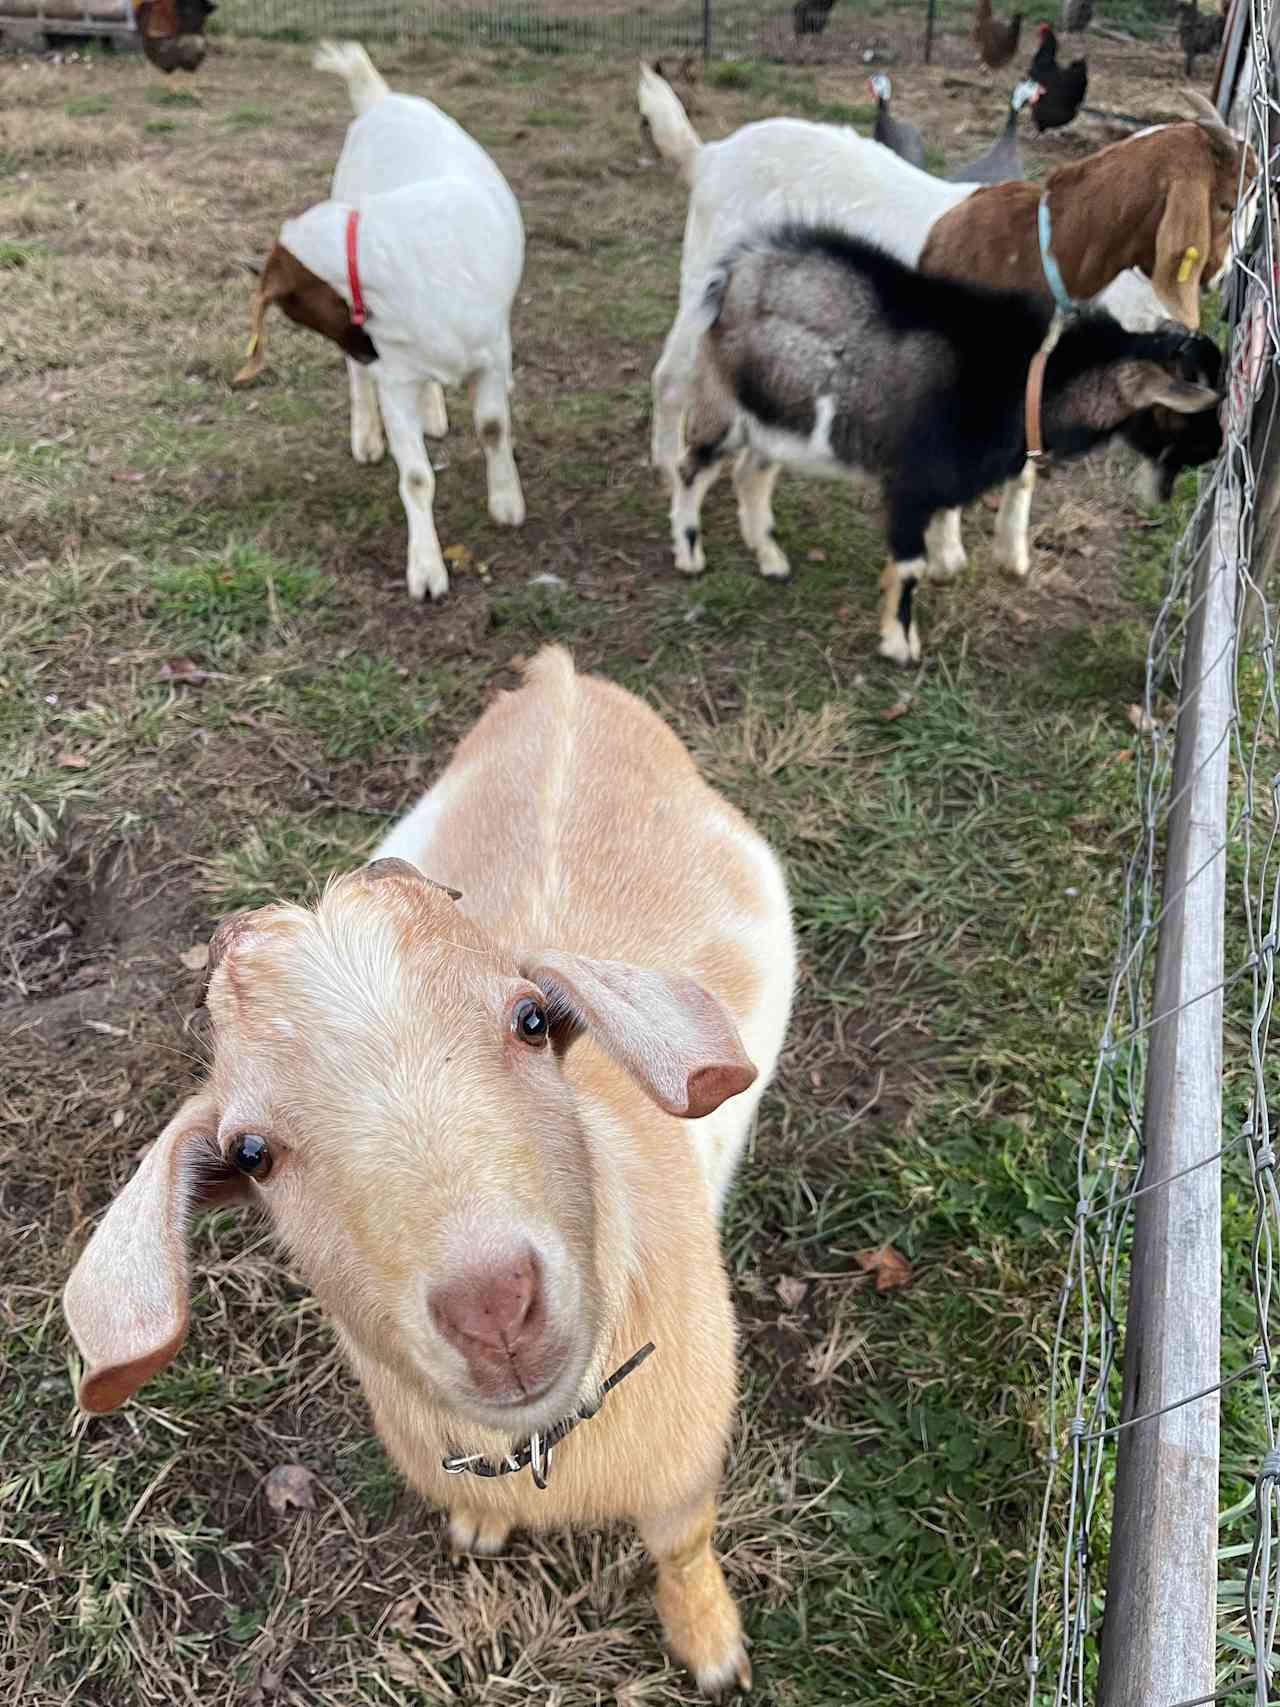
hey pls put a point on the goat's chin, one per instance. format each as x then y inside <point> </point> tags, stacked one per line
<point>524,1414</point>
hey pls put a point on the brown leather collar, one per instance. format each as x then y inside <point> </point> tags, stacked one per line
<point>1036,453</point>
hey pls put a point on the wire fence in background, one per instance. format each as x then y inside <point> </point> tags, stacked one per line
<point>1082,1641</point>
<point>851,31</point>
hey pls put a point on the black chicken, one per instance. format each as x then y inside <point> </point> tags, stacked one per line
<point>1062,87</point>
<point>810,16</point>
<point>1198,32</point>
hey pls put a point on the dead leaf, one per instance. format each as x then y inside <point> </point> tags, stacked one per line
<point>128,476</point>
<point>401,1666</point>
<point>460,556</point>
<point>96,455</point>
<point>72,762</point>
<point>243,718</point>
<point>893,712</point>
<point>1020,617</point>
<point>1140,719</point>
<point>402,1615</point>
<point>791,1291</point>
<point>816,554</point>
<point>890,1267</point>
<point>117,1120</point>
<point>195,958</point>
<point>290,1485</point>
<point>106,1030</point>
<point>184,670</point>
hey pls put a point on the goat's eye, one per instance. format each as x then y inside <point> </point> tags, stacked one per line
<point>252,1155</point>
<point>529,1022</point>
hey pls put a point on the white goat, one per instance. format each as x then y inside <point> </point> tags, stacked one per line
<point>423,233</point>
<point>782,170</point>
<point>495,1130</point>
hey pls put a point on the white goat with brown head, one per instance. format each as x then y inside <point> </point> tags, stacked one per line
<point>494,1131</point>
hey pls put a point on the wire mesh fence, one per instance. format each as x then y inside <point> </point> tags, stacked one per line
<point>1222,679</point>
<point>834,30</point>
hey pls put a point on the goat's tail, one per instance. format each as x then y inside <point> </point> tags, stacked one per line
<point>348,60</point>
<point>668,123</point>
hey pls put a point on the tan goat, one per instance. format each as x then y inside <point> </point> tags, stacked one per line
<point>491,1129</point>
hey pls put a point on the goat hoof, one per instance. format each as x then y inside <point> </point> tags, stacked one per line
<point>947,567</point>
<point>773,565</point>
<point>901,649</point>
<point>471,1533</point>
<point>731,1674</point>
<point>507,508</point>
<point>423,582</point>
<point>1017,566</point>
<point>371,447</point>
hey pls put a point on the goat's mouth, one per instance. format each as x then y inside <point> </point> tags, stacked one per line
<point>537,1405</point>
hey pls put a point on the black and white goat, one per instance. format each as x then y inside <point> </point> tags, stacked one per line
<point>822,353</point>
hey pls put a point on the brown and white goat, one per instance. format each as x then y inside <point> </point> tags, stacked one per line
<point>494,1130</point>
<point>1163,201</point>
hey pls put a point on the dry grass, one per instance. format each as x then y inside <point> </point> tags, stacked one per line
<point>951,842</point>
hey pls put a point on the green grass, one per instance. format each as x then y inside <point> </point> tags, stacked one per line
<point>171,98</point>
<point>219,601</point>
<point>250,118</point>
<point>87,106</point>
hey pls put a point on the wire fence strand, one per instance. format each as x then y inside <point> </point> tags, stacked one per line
<point>1238,515</point>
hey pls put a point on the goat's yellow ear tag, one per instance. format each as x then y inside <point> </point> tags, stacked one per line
<point>1190,256</point>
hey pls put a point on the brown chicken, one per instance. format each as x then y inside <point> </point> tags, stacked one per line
<point>996,39</point>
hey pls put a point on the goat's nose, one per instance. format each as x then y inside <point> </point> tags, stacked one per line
<point>490,1309</point>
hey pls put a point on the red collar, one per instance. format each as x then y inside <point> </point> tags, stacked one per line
<point>353,276</point>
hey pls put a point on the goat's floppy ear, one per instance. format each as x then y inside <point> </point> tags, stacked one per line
<point>255,355</point>
<point>1183,241</point>
<point>276,278</point>
<point>674,1038</point>
<point>1151,386</point>
<point>126,1300</point>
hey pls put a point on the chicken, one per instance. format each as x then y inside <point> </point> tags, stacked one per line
<point>996,39</point>
<point>1001,164</point>
<point>1062,88</point>
<point>809,17</point>
<point>901,138</point>
<point>1198,32</point>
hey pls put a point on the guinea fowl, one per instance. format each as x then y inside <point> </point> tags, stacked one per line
<point>1062,88</point>
<point>996,39</point>
<point>1198,32</point>
<point>1001,164</point>
<point>901,138</point>
<point>809,17</point>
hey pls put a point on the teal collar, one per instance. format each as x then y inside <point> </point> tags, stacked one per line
<point>1052,273</point>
